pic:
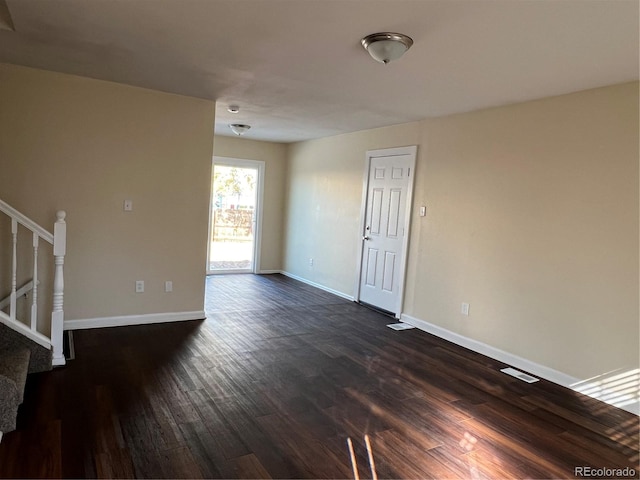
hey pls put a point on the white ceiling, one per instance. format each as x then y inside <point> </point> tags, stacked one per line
<point>296,67</point>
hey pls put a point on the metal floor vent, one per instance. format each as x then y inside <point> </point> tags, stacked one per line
<point>400,326</point>
<point>68,348</point>
<point>519,375</point>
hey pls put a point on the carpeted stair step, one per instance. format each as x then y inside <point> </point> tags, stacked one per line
<point>41,357</point>
<point>14,366</point>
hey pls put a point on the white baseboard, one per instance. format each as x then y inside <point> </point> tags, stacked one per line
<point>268,272</point>
<point>127,320</point>
<point>528,366</point>
<point>495,353</point>
<point>58,361</point>
<point>317,285</point>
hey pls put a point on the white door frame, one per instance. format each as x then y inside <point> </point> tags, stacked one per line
<point>387,152</point>
<point>257,235</point>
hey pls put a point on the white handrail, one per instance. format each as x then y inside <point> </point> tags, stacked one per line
<point>26,222</point>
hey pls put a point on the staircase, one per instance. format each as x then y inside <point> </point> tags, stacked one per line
<point>31,344</point>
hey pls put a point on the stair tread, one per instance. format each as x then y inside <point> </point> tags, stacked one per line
<point>40,359</point>
<point>14,366</point>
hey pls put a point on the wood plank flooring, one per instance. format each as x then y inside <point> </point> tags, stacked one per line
<point>274,382</point>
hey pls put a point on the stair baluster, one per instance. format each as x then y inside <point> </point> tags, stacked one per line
<point>14,268</point>
<point>57,316</point>
<point>34,298</point>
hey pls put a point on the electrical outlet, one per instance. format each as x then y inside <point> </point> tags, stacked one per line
<point>465,309</point>
<point>311,262</point>
<point>139,286</point>
<point>128,206</point>
<point>168,286</point>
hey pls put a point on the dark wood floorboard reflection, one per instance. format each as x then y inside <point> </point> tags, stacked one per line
<point>274,382</point>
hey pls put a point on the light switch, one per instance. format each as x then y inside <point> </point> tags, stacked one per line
<point>423,211</point>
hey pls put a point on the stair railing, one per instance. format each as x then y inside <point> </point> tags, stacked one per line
<point>23,291</point>
<point>58,239</point>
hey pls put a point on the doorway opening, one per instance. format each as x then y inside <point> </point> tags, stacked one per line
<point>234,223</point>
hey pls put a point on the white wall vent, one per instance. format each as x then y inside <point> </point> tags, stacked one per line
<point>519,375</point>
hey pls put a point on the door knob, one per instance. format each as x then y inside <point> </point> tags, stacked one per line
<point>365,238</point>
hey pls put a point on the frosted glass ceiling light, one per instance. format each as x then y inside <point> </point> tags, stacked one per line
<point>239,128</point>
<point>386,46</point>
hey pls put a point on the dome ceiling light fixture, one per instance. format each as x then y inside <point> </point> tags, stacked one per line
<point>239,128</point>
<point>385,47</point>
<point>233,109</point>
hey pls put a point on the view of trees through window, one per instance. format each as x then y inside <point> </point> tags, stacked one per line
<point>232,222</point>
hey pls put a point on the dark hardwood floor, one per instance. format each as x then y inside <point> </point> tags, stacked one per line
<point>275,382</point>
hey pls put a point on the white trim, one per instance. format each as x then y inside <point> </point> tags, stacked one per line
<point>58,360</point>
<point>388,152</point>
<point>21,328</point>
<point>231,271</point>
<point>269,272</point>
<point>534,368</point>
<point>317,285</point>
<point>128,320</point>
<point>495,353</point>
<point>0,436</point>
<point>23,290</point>
<point>259,165</point>
<point>26,222</point>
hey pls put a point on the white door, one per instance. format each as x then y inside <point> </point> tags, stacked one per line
<point>385,229</point>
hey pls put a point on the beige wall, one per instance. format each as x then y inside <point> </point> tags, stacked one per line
<point>323,203</point>
<point>85,146</point>
<point>274,157</point>
<point>532,209</point>
<point>532,219</point>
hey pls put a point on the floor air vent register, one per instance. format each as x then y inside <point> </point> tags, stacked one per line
<point>400,326</point>
<point>519,375</point>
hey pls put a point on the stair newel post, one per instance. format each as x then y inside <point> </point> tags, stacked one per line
<point>14,269</point>
<point>57,315</point>
<point>34,292</point>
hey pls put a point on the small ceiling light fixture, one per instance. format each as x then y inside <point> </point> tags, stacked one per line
<point>239,128</point>
<point>386,46</point>
<point>233,109</point>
